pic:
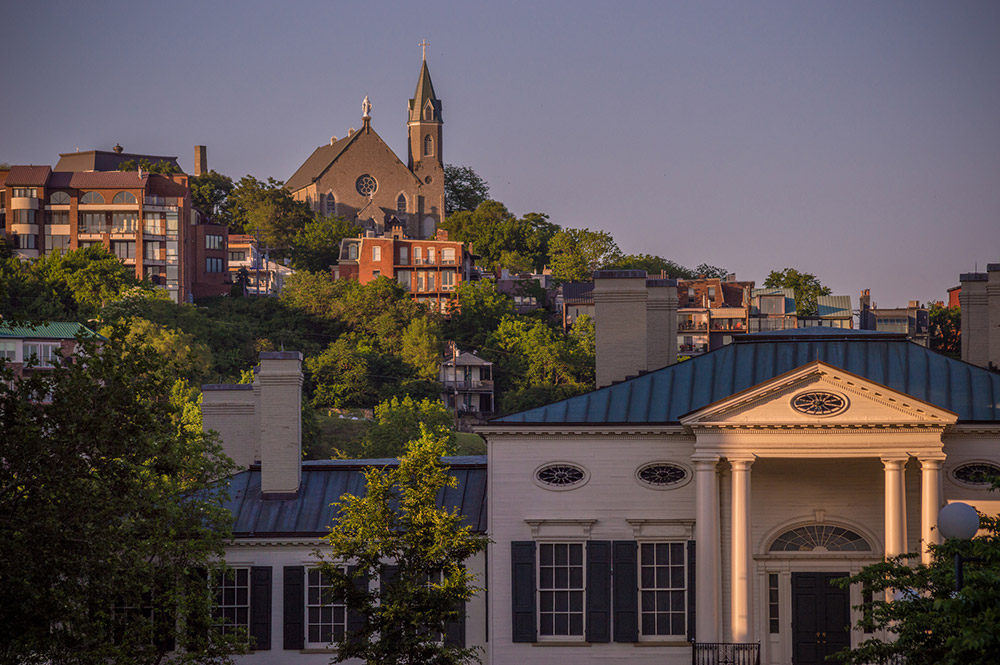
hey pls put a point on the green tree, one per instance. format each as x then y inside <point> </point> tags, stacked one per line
<point>501,239</point>
<point>399,421</point>
<point>162,167</point>
<point>398,533</point>
<point>105,511</point>
<point>576,253</point>
<point>807,288</point>
<point>422,348</point>
<point>653,265</point>
<point>317,246</point>
<point>946,330</point>
<point>707,270</point>
<point>210,194</point>
<point>255,205</point>
<point>463,189</point>
<point>927,622</point>
<point>477,310</point>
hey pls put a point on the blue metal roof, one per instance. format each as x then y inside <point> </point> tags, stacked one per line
<point>891,360</point>
<point>325,482</point>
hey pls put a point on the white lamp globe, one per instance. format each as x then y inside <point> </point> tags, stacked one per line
<point>958,520</point>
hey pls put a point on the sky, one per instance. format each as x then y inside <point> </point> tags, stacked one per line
<point>858,141</point>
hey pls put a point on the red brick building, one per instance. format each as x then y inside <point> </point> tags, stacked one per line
<point>41,345</point>
<point>429,269</point>
<point>145,219</point>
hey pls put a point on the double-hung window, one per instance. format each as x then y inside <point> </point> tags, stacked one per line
<point>326,618</point>
<point>232,600</point>
<point>560,589</point>
<point>662,589</point>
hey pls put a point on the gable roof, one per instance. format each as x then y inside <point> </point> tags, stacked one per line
<point>321,159</point>
<point>325,482</point>
<point>663,396</point>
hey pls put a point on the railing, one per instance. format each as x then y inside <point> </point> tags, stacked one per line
<point>461,384</point>
<point>692,325</point>
<point>725,653</point>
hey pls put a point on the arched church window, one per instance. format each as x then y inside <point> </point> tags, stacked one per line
<point>401,205</point>
<point>429,111</point>
<point>820,538</point>
<point>331,204</point>
<point>428,146</point>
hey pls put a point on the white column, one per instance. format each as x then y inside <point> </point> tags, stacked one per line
<point>930,504</point>
<point>895,506</point>
<point>740,550</point>
<point>708,567</point>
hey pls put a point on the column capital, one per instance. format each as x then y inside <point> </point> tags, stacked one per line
<point>894,461</point>
<point>931,461</point>
<point>741,462</point>
<point>705,458</point>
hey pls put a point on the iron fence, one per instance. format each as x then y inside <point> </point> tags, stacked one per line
<point>725,653</point>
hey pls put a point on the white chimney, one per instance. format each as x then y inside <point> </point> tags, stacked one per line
<point>228,408</point>
<point>620,324</point>
<point>280,412</point>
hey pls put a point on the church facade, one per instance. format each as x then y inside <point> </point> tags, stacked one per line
<point>358,177</point>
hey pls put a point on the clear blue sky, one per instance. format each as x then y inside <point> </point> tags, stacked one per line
<point>859,141</point>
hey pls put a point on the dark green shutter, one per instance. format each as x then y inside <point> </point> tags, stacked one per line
<point>260,607</point>
<point>355,619</point>
<point>690,591</point>
<point>454,631</point>
<point>598,591</point>
<point>626,566</point>
<point>294,607</point>
<point>522,564</point>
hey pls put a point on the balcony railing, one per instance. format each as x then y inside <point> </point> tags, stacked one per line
<point>693,325</point>
<point>692,348</point>
<point>474,384</point>
<point>725,653</point>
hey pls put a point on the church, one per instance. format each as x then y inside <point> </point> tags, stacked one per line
<point>358,177</point>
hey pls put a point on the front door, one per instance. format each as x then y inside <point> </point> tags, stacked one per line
<point>820,617</point>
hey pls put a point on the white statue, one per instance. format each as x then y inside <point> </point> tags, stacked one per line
<point>366,108</point>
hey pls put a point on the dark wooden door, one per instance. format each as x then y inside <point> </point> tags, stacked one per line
<point>820,617</point>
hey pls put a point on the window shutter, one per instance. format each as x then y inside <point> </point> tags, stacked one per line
<point>690,590</point>
<point>626,566</point>
<point>355,619</point>
<point>294,607</point>
<point>522,562</point>
<point>454,631</point>
<point>599,591</point>
<point>260,607</point>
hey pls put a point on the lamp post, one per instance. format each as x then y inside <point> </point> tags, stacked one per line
<point>959,520</point>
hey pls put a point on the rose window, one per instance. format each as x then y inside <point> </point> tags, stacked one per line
<point>817,403</point>
<point>366,185</point>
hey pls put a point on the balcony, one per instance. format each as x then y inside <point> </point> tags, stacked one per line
<point>692,325</point>
<point>477,385</point>
<point>691,349</point>
<point>728,325</point>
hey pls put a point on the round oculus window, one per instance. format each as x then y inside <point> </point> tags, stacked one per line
<point>662,475</point>
<point>560,476</point>
<point>819,403</point>
<point>366,185</point>
<point>428,180</point>
<point>977,474</point>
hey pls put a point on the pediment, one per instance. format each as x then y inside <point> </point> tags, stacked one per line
<point>819,395</point>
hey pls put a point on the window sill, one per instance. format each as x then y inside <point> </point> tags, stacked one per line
<point>663,643</point>
<point>318,650</point>
<point>561,644</point>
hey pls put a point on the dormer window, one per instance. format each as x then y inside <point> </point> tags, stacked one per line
<point>429,111</point>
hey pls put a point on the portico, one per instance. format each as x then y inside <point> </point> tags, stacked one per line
<point>816,412</point>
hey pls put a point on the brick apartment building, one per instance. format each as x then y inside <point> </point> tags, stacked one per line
<point>42,345</point>
<point>429,269</point>
<point>145,219</point>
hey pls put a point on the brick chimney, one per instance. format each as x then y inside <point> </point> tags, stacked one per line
<point>200,160</point>
<point>228,408</point>
<point>280,413</point>
<point>661,323</point>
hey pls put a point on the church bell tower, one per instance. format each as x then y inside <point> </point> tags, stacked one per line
<point>424,125</point>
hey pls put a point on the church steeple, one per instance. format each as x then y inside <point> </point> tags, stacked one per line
<point>424,123</point>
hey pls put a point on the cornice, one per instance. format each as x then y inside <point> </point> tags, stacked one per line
<point>555,429</point>
<point>849,428</point>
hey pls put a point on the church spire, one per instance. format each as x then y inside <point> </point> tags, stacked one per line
<point>424,96</point>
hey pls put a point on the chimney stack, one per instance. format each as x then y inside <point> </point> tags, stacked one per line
<point>280,409</point>
<point>661,323</point>
<point>200,160</point>
<point>620,324</point>
<point>980,303</point>
<point>228,408</point>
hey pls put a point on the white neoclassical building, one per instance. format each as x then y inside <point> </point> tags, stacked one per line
<point>715,500</point>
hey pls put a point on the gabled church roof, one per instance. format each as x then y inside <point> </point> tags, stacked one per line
<point>663,396</point>
<point>424,92</point>
<point>318,162</point>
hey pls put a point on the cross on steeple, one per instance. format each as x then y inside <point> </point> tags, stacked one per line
<point>424,46</point>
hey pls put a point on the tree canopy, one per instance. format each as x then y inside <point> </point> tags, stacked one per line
<point>464,189</point>
<point>576,253</point>
<point>162,166</point>
<point>501,239</point>
<point>210,194</point>
<point>397,534</point>
<point>316,246</point>
<point>105,511</point>
<point>946,330</point>
<point>807,288</point>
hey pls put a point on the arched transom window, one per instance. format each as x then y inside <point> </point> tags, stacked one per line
<point>820,538</point>
<point>92,197</point>
<point>124,197</point>
<point>59,198</point>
